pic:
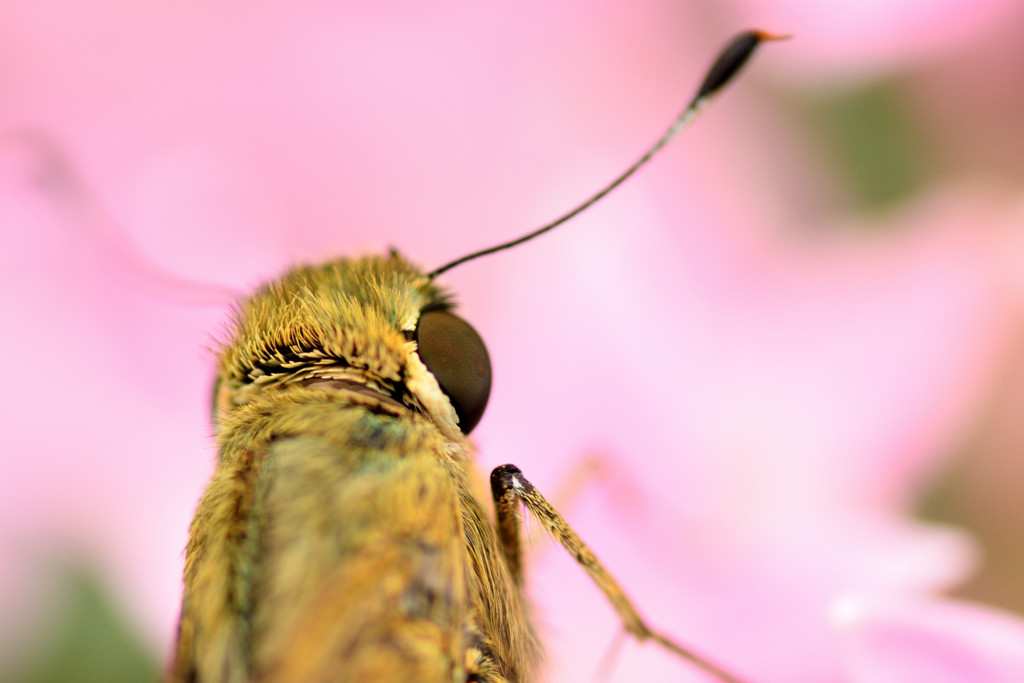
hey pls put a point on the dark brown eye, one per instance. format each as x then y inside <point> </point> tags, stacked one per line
<point>455,353</point>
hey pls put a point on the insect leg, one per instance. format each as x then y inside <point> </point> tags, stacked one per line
<point>506,509</point>
<point>510,487</point>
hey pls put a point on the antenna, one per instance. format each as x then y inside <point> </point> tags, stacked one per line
<point>730,60</point>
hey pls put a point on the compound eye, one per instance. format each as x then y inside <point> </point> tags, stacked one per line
<point>455,354</point>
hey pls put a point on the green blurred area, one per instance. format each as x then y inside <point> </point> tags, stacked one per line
<point>872,139</point>
<point>84,639</point>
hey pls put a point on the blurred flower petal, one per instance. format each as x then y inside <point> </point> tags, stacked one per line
<point>897,640</point>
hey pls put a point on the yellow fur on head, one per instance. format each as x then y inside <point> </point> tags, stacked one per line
<point>349,319</point>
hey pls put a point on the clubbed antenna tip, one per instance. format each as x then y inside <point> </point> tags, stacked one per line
<point>730,61</point>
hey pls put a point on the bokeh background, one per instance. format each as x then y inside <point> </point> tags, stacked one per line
<point>792,346</point>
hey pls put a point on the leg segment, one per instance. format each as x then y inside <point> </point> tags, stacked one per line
<point>510,487</point>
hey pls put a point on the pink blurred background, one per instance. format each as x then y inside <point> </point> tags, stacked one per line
<point>790,342</point>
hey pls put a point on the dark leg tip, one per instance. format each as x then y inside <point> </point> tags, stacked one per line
<point>502,478</point>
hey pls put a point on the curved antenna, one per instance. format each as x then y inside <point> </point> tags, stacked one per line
<point>730,60</point>
<point>82,209</point>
